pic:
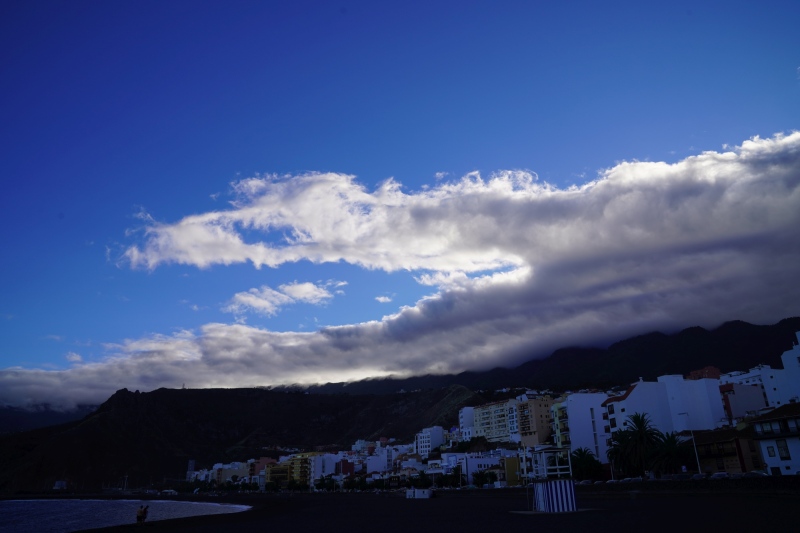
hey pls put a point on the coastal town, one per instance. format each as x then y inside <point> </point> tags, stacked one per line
<point>703,425</point>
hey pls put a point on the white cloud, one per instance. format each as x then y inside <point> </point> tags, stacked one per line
<point>306,292</point>
<point>73,357</point>
<point>520,267</point>
<point>263,301</point>
<point>267,301</point>
<point>383,299</point>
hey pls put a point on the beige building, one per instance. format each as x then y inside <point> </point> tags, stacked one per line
<point>534,419</point>
<point>496,421</point>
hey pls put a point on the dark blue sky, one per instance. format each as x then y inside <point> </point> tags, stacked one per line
<point>121,119</point>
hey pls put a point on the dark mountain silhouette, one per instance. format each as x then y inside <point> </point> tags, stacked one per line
<point>732,346</point>
<point>151,436</point>
<point>14,419</point>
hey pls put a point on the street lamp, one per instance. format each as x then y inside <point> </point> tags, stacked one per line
<point>694,443</point>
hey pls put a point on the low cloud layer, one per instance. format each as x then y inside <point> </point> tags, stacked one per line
<point>521,268</point>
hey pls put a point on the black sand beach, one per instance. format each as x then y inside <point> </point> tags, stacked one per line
<point>497,510</point>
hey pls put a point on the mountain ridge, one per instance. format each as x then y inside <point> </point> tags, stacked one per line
<point>146,437</point>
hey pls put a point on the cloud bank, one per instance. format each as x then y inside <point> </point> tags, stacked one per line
<point>521,268</point>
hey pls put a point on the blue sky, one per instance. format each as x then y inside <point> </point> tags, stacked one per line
<point>252,193</point>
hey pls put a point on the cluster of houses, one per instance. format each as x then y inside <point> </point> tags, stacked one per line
<point>737,422</point>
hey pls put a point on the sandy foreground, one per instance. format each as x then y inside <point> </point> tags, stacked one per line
<point>496,510</point>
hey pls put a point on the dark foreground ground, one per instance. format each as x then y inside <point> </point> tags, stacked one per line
<point>499,510</point>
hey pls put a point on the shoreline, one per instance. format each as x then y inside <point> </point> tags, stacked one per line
<point>491,510</point>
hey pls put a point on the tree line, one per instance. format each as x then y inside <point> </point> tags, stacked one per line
<point>636,450</point>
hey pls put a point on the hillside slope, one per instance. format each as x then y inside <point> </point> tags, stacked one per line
<point>149,436</point>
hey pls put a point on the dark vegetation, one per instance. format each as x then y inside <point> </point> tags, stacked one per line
<point>149,437</point>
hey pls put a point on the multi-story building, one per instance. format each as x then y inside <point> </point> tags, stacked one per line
<point>277,474</point>
<point>740,401</point>
<point>762,376</point>
<point>534,419</point>
<point>466,423</point>
<point>577,422</point>
<point>693,404</point>
<point>230,472</point>
<point>730,450</point>
<point>495,421</point>
<point>778,386</point>
<point>470,463</point>
<point>778,435</point>
<point>671,404</point>
<point>428,439</point>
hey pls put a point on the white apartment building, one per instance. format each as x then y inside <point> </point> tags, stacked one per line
<point>699,399</point>
<point>466,423</point>
<point>428,439</point>
<point>469,463</point>
<point>778,386</point>
<point>671,403</point>
<point>381,459</point>
<point>577,422</point>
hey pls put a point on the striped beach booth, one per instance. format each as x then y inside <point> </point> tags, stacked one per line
<point>554,496</point>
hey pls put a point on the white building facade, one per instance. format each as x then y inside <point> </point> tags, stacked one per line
<point>428,439</point>
<point>578,422</point>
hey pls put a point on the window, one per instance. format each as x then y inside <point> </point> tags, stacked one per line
<point>611,409</point>
<point>783,450</point>
<point>613,422</point>
<point>771,451</point>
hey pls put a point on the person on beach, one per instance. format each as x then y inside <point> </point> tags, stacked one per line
<point>144,513</point>
<point>140,514</point>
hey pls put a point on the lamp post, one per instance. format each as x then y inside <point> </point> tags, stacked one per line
<point>694,443</point>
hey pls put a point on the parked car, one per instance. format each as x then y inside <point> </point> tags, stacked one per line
<point>681,477</point>
<point>754,473</point>
<point>698,477</point>
<point>719,475</point>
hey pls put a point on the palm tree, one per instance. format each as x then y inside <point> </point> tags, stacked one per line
<point>671,453</point>
<point>618,450</point>
<point>644,440</point>
<point>585,465</point>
